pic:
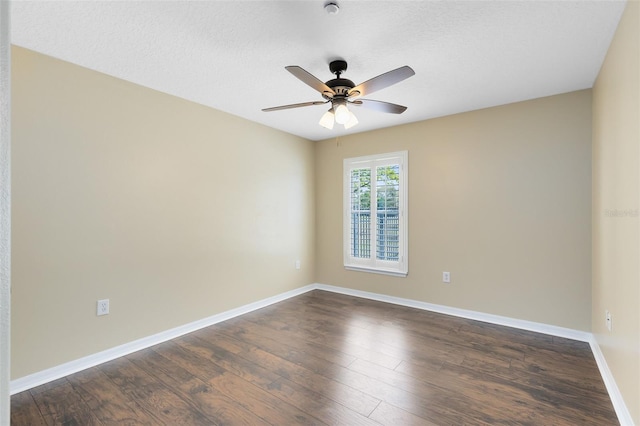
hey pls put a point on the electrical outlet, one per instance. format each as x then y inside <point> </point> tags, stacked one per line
<point>103,307</point>
<point>297,264</point>
<point>607,318</point>
<point>446,277</point>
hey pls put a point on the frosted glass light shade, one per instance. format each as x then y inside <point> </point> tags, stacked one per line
<point>327,120</point>
<point>342,114</point>
<point>352,121</point>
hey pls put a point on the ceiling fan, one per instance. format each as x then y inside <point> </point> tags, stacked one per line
<point>342,92</point>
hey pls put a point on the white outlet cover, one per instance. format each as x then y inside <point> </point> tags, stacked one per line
<point>102,307</point>
<point>446,277</point>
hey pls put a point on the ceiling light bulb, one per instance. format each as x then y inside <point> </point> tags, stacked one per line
<point>327,120</point>
<point>342,114</point>
<point>352,121</point>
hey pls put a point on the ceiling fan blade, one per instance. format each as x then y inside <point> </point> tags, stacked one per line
<point>383,80</point>
<point>303,104</point>
<point>310,80</point>
<point>380,106</point>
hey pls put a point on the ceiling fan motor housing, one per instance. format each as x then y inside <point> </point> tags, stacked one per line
<point>339,85</point>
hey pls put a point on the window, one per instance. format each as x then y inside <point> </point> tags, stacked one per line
<point>375,214</point>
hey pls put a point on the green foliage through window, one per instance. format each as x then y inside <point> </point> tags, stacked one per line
<point>386,223</point>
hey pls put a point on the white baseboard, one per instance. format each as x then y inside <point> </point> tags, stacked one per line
<point>45,376</point>
<point>54,373</point>
<point>624,416</point>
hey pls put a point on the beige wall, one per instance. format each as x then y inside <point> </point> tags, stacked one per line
<point>172,210</point>
<point>616,187</point>
<point>500,197</point>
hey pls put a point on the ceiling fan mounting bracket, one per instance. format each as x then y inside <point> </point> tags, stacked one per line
<point>337,67</point>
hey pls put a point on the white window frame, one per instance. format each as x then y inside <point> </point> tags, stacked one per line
<point>372,264</point>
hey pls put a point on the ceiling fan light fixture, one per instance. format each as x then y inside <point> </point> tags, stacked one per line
<point>327,120</point>
<point>353,120</point>
<point>342,114</point>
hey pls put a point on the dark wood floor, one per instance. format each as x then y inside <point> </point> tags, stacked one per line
<point>324,358</point>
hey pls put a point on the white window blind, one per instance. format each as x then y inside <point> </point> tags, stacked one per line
<point>375,216</point>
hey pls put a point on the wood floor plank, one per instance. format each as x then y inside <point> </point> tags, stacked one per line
<point>263,336</point>
<point>349,397</point>
<point>63,405</point>
<point>49,386</point>
<point>326,358</point>
<point>218,407</point>
<point>152,395</point>
<point>573,386</point>
<point>394,342</point>
<point>438,328</point>
<point>502,399</point>
<point>225,385</point>
<point>249,371</point>
<point>107,401</point>
<point>524,337</point>
<point>384,314</point>
<point>297,395</point>
<point>436,404</point>
<point>335,342</point>
<point>388,414</point>
<point>394,338</point>
<point>288,350</point>
<point>267,406</point>
<point>25,411</point>
<point>322,407</point>
<point>352,398</point>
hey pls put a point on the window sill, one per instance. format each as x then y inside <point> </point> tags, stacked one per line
<point>376,271</point>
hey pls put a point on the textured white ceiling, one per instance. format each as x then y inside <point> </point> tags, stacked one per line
<point>231,55</point>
